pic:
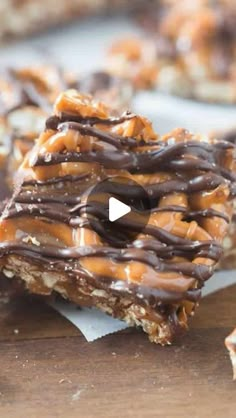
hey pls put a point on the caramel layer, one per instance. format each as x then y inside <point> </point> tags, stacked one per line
<point>50,224</point>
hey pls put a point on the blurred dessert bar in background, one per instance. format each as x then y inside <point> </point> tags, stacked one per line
<point>26,100</point>
<point>23,17</point>
<point>134,58</point>
<point>193,52</point>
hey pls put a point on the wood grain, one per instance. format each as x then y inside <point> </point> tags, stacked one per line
<point>48,369</point>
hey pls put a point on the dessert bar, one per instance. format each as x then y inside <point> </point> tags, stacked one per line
<point>55,234</point>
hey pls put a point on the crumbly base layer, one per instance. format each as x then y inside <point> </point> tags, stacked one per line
<point>161,328</point>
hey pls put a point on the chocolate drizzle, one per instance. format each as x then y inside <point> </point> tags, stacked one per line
<point>196,166</point>
<point>53,122</point>
<point>117,141</point>
<point>166,158</point>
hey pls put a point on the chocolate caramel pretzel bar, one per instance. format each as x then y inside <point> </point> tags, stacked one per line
<point>27,97</point>
<point>54,240</point>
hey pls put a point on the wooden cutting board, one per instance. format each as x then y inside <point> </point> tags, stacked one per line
<point>48,370</point>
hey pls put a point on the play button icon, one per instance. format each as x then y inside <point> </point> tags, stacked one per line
<point>117,209</point>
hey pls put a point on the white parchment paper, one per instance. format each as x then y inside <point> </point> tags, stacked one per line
<point>95,324</point>
<point>91,322</point>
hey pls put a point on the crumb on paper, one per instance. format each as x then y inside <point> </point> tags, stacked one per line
<point>77,394</point>
<point>16,331</point>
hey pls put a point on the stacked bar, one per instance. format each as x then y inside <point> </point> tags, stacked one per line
<point>53,237</point>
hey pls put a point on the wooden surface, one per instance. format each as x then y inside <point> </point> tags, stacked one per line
<point>48,370</point>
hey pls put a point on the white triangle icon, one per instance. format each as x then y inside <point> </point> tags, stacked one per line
<point>117,209</point>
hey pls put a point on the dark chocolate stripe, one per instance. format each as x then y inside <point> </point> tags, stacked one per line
<point>116,140</point>
<point>55,180</point>
<point>78,221</point>
<point>174,245</point>
<point>200,272</point>
<point>139,162</point>
<point>101,214</point>
<point>47,198</point>
<point>81,208</point>
<point>209,249</point>
<point>54,121</point>
<point>152,295</point>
